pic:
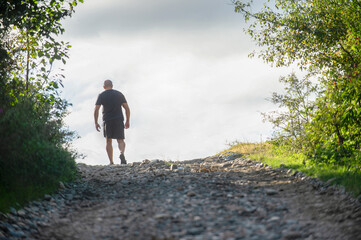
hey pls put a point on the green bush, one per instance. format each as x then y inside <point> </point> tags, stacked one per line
<point>34,156</point>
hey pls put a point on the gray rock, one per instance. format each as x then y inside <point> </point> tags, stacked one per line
<point>22,213</point>
<point>233,157</point>
<point>69,196</point>
<point>47,197</point>
<point>123,212</point>
<point>291,222</point>
<point>13,211</point>
<point>274,219</point>
<point>146,161</point>
<point>225,165</point>
<point>125,182</point>
<point>17,234</point>
<point>61,186</point>
<point>161,216</point>
<point>191,194</point>
<point>195,231</point>
<point>270,191</point>
<point>292,235</point>
<point>173,167</point>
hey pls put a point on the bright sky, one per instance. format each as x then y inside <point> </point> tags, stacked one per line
<point>182,65</point>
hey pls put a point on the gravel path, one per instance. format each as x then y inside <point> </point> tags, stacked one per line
<point>212,198</point>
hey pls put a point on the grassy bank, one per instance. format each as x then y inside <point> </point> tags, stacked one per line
<point>347,176</point>
<point>19,196</point>
<point>19,193</point>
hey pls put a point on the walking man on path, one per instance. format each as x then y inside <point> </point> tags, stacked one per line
<point>113,119</point>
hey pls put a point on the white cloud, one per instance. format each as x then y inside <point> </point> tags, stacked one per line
<point>125,17</point>
<point>191,88</point>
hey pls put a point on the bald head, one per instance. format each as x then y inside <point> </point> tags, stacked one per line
<point>108,84</point>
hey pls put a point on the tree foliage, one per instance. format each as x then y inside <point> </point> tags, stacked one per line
<point>28,48</point>
<point>36,154</point>
<point>323,38</point>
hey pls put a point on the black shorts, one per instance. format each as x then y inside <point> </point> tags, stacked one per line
<point>114,129</point>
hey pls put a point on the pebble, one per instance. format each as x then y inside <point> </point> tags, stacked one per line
<point>47,197</point>
<point>191,194</point>
<point>173,167</point>
<point>17,234</point>
<point>161,216</point>
<point>61,186</point>
<point>292,235</point>
<point>225,165</point>
<point>270,191</point>
<point>195,231</point>
<point>13,211</point>
<point>21,213</point>
<point>274,219</point>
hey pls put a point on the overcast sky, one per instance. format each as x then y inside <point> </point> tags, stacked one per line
<point>183,67</point>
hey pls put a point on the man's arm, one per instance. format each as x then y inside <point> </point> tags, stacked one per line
<point>96,115</point>
<point>127,115</point>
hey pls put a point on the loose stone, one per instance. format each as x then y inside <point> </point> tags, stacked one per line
<point>271,191</point>
<point>191,194</point>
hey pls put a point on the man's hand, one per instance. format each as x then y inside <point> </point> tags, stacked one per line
<point>97,127</point>
<point>127,114</point>
<point>96,114</point>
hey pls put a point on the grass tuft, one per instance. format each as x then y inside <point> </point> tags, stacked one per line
<point>346,176</point>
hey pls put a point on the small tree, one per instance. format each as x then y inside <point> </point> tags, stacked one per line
<point>294,113</point>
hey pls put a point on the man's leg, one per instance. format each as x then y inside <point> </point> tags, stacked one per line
<point>121,146</point>
<point>109,148</point>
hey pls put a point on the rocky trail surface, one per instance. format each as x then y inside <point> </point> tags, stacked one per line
<point>226,197</point>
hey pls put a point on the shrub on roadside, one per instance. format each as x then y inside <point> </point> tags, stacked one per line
<point>34,157</point>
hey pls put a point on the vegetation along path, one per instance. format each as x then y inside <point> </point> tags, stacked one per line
<point>218,197</point>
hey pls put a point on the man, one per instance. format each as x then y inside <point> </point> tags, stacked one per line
<point>113,127</point>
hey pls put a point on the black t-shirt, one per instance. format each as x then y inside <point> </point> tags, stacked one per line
<point>112,101</point>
